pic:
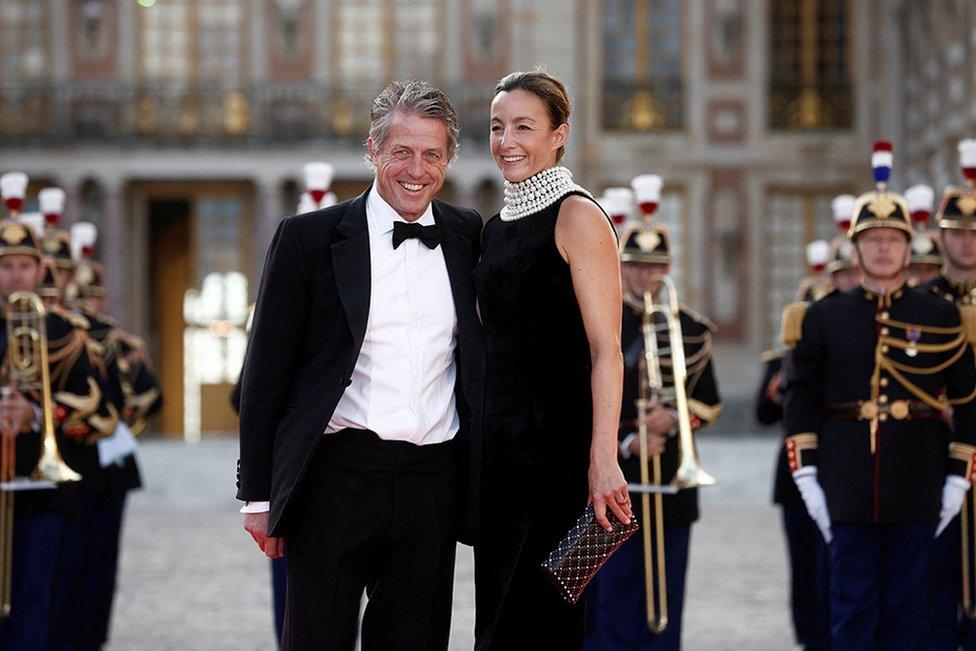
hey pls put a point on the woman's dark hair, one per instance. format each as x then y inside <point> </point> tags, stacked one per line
<point>547,88</point>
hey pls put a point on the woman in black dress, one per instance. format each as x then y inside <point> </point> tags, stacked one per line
<point>549,292</point>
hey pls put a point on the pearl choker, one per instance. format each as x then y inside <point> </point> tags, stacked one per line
<point>538,192</point>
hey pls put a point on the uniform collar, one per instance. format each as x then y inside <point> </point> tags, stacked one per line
<point>381,215</point>
<point>884,299</point>
<point>960,289</point>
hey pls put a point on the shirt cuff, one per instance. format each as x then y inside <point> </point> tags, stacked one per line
<point>36,423</point>
<point>625,445</point>
<point>677,419</point>
<point>255,507</point>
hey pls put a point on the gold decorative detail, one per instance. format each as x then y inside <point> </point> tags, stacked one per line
<point>236,113</point>
<point>810,113</point>
<point>14,234</point>
<point>707,413</point>
<point>84,275</point>
<point>882,206</point>
<point>647,241</point>
<point>341,116</point>
<point>645,111</point>
<point>52,246</point>
<point>967,204</point>
<point>868,411</point>
<point>899,409</point>
<point>147,111</point>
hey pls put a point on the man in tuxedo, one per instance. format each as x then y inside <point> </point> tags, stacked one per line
<point>361,394</point>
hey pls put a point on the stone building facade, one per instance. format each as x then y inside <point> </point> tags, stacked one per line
<point>180,129</point>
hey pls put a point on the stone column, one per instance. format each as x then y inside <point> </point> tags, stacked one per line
<point>268,213</point>
<point>114,248</point>
<point>73,201</point>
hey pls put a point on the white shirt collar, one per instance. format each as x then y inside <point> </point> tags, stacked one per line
<point>381,215</point>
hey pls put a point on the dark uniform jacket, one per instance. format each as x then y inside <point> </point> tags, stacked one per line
<point>769,412</point>
<point>703,399</point>
<point>309,325</point>
<point>949,289</point>
<point>115,375</point>
<point>872,368</point>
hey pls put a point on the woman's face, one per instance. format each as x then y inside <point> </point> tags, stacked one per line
<point>523,142</point>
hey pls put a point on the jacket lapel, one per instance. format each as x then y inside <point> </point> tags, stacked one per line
<point>457,257</point>
<point>350,261</point>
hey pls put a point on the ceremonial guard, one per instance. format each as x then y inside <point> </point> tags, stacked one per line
<point>617,602</point>
<point>46,417</point>
<point>808,555</point>
<point>926,260</point>
<point>956,282</point>
<point>132,392</point>
<point>871,373</point>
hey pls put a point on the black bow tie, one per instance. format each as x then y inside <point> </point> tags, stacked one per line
<point>429,235</point>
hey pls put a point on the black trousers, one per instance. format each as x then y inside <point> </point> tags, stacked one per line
<point>375,515</point>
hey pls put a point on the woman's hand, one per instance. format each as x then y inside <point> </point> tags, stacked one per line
<point>608,488</point>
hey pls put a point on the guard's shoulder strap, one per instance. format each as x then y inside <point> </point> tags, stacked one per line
<point>791,327</point>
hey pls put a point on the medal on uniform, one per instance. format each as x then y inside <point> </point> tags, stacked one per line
<point>912,334</point>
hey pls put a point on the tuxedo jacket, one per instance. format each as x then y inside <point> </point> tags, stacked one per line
<point>309,324</point>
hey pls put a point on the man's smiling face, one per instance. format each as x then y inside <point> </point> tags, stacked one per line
<point>410,163</point>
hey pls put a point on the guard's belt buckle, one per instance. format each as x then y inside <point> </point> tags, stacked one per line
<point>899,410</point>
<point>867,410</point>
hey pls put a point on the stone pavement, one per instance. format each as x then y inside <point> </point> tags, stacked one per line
<point>192,579</point>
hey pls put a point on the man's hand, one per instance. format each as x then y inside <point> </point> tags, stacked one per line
<point>660,420</point>
<point>774,389</point>
<point>655,445</point>
<point>16,413</point>
<point>256,524</point>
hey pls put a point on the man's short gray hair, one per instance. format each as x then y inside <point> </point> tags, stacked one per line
<point>414,97</point>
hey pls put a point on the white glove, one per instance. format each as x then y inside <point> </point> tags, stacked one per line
<point>953,494</point>
<point>814,498</point>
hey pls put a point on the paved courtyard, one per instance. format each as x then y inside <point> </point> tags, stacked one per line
<point>192,579</point>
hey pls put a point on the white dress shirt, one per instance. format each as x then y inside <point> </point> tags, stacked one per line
<point>402,387</point>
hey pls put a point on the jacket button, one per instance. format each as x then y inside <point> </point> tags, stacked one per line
<point>883,382</point>
<point>346,381</point>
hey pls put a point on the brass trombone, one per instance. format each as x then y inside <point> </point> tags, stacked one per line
<point>689,473</point>
<point>27,357</point>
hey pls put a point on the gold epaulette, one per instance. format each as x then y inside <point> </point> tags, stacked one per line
<point>73,319</point>
<point>770,355</point>
<point>827,291</point>
<point>76,320</point>
<point>704,320</point>
<point>791,328</point>
<point>967,313</point>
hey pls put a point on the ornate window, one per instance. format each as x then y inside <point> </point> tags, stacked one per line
<point>642,87</point>
<point>377,39</point>
<point>794,219</point>
<point>360,35</point>
<point>182,39</point>
<point>219,39</point>
<point>810,79</point>
<point>487,25</point>
<point>24,39</point>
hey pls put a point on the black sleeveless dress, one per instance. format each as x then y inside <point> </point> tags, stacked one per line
<point>538,426</point>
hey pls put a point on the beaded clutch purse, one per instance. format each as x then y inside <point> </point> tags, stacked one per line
<point>583,551</point>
